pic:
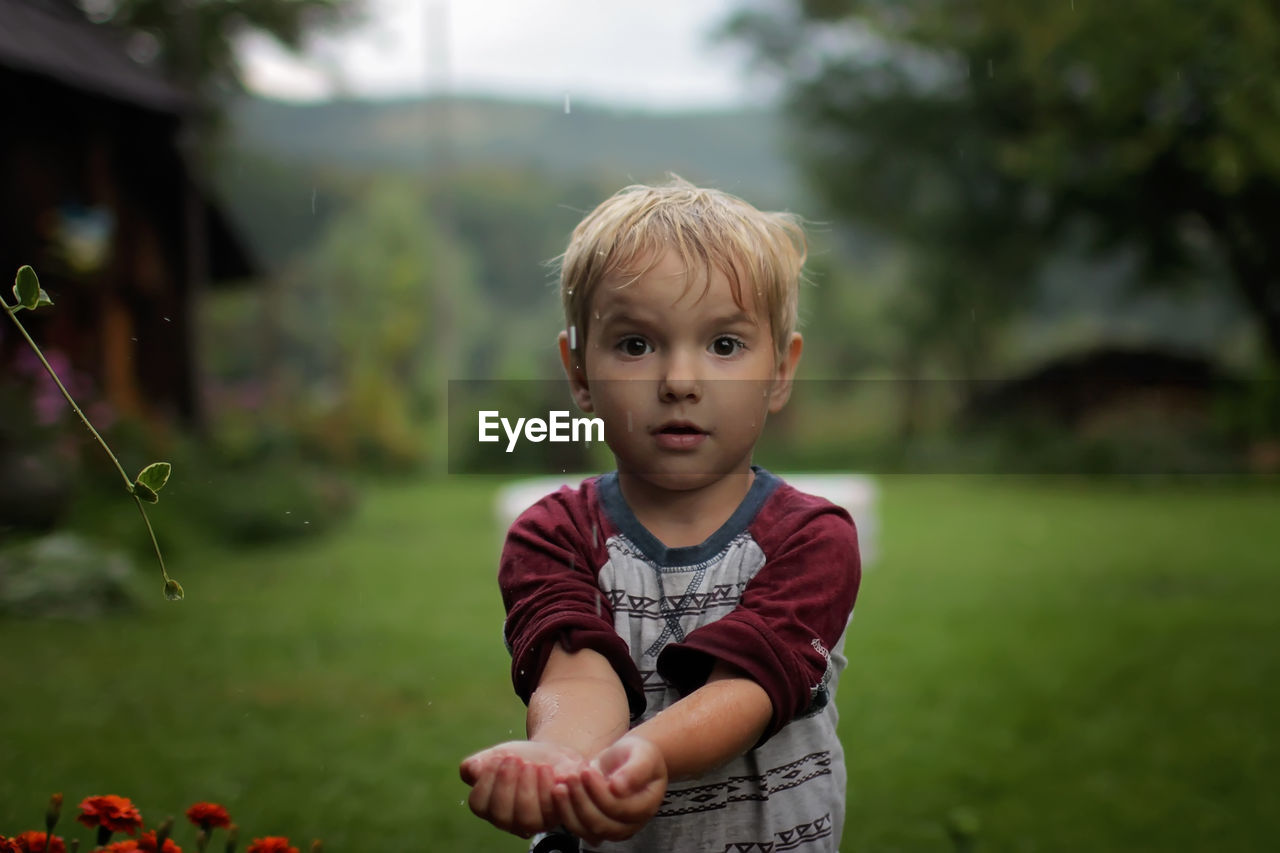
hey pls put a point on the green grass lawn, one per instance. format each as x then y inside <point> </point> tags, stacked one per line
<point>1077,666</point>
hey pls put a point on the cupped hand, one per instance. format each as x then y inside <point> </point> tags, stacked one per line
<point>512,783</point>
<point>614,795</point>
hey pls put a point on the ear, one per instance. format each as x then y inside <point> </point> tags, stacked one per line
<point>575,372</point>
<point>785,373</point>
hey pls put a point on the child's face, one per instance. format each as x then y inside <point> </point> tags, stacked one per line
<point>680,374</point>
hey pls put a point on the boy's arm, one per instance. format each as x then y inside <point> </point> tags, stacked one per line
<point>618,792</point>
<point>579,704</point>
<point>578,709</point>
<point>712,725</point>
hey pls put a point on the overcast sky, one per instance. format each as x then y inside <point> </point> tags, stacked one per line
<point>645,53</point>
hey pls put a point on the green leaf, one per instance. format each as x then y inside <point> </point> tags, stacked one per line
<point>173,590</point>
<point>26,286</point>
<point>151,480</point>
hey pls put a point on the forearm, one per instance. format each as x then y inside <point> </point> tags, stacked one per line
<point>583,712</point>
<point>711,726</point>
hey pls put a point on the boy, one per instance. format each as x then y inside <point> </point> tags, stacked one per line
<point>676,625</point>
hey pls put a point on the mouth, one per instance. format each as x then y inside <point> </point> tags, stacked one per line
<point>679,436</point>
<point>679,428</point>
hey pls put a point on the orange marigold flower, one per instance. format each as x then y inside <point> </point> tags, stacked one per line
<point>147,844</point>
<point>271,844</point>
<point>208,815</point>
<point>9,845</point>
<point>112,813</point>
<point>33,841</point>
<point>128,846</point>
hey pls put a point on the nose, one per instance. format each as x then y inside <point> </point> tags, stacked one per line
<point>680,380</point>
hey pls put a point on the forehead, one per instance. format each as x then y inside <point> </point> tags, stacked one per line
<point>668,280</point>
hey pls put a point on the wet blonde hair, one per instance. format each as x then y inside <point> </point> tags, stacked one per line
<point>627,235</point>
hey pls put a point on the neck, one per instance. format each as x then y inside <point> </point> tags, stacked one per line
<point>681,517</point>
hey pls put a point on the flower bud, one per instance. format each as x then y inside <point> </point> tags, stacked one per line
<point>52,813</point>
<point>163,832</point>
<point>233,835</point>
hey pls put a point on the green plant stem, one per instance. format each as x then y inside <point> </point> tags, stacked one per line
<point>128,484</point>
<point>40,355</point>
<point>152,533</point>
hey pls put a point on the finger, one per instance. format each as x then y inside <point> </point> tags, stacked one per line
<point>615,757</point>
<point>546,782</point>
<point>481,793</point>
<point>503,802</point>
<point>627,767</point>
<point>567,815</point>
<point>597,823</point>
<point>616,808</point>
<point>527,808</point>
<point>476,765</point>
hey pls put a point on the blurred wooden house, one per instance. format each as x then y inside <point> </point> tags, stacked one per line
<point>97,195</point>
<point>1098,389</point>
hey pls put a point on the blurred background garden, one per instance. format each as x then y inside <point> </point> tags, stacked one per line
<point>1042,314</point>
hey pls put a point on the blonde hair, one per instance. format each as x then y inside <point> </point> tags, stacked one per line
<point>764,251</point>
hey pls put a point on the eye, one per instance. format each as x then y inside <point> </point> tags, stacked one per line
<point>635,346</point>
<point>727,345</point>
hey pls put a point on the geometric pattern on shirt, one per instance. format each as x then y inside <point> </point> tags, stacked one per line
<point>651,682</point>
<point>690,604</point>
<point>692,601</point>
<point>787,839</point>
<point>737,789</point>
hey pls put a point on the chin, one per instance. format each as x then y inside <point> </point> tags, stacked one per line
<point>672,479</point>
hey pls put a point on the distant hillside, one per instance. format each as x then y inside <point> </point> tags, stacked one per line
<point>740,151</point>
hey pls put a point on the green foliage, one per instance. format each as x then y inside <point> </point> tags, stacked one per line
<point>372,325</point>
<point>151,480</point>
<point>227,497</point>
<point>269,501</point>
<point>27,289</point>
<point>981,133</point>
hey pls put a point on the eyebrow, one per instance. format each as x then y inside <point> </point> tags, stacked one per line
<point>626,315</point>
<point>732,319</point>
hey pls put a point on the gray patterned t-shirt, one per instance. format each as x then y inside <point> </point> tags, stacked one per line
<point>770,592</point>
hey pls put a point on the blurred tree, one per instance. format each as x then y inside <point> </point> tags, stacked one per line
<point>984,133</point>
<point>375,322</point>
<point>196,39</point>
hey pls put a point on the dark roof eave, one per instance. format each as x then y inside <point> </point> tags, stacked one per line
<point>39,38</point>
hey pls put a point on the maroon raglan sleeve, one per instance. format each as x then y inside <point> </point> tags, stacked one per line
<point>547,575</point>
<point>791,613</point>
